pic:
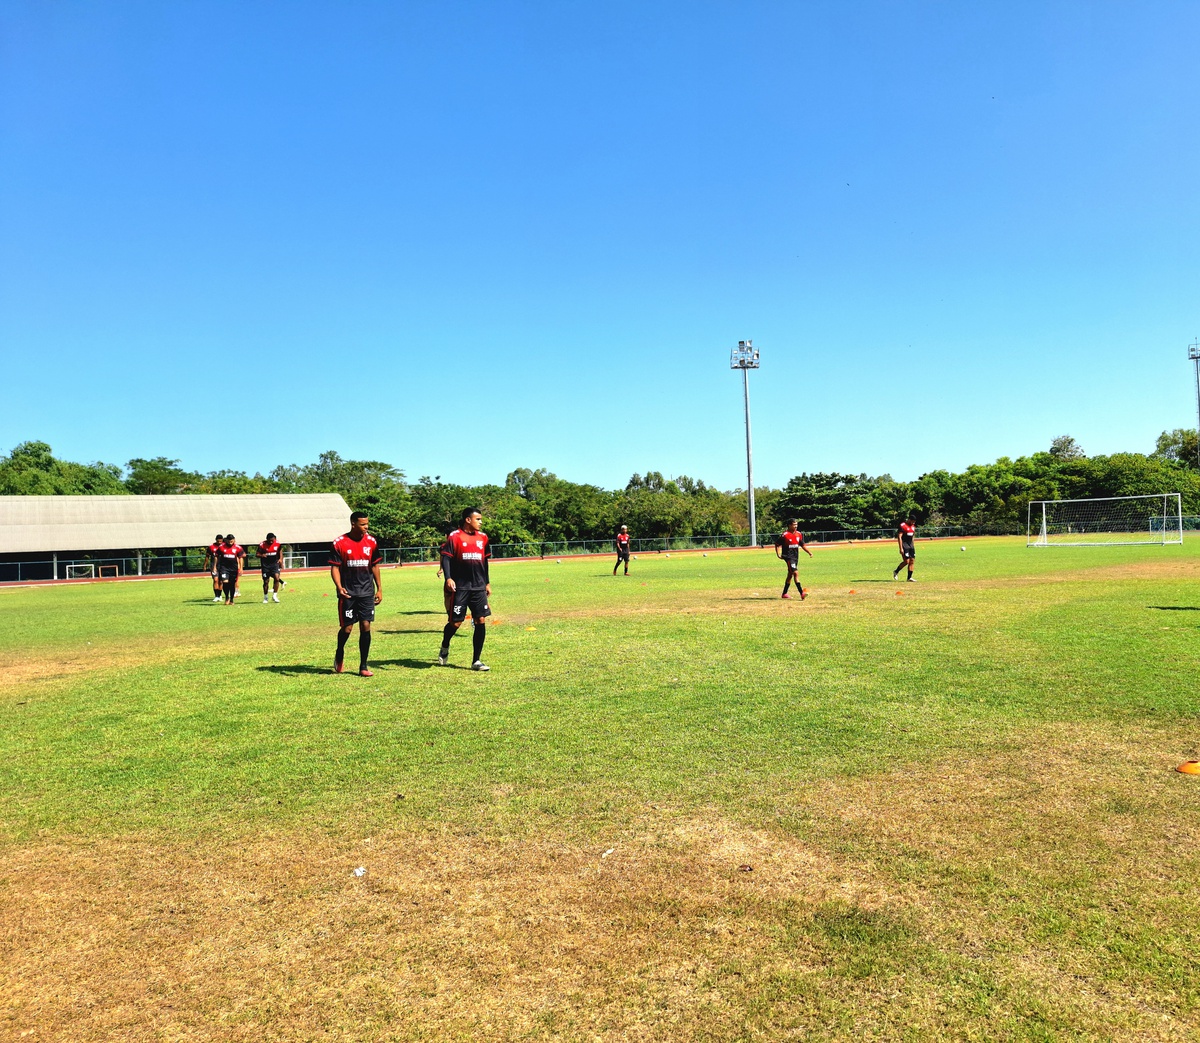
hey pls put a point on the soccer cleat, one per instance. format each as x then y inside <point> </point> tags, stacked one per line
<point>338,666</point>
<point>283,583</point>
<point>787,596</point>
<point>216,599</point>
<point>366,672</point>
<point>911,579</point>
<point>482,667</point>
<point>237,593</point>
<point>264,599</point>
<point>803,594</point>
<point>443,657</point>
<point>275,598</point>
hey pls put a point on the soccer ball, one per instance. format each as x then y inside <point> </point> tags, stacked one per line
<point>964,548</point>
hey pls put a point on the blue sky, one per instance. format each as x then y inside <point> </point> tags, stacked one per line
<point>467,237</point>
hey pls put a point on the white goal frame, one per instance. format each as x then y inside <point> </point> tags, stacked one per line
<point>1106,521</point>
<point>85,571</point>
<point>295,561</point>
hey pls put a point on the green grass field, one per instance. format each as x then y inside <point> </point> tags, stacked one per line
<point>677,808</point>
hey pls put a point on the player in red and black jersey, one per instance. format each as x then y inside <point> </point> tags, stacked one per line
<point>447,590</point>
<point>354,567</point>
<point>211,557</point>
<point>270,560</point>
<point>230,560</point>
<point>906,537</point>
<point>622,542</point>
<point>788,545</point>
<point>465,563</point>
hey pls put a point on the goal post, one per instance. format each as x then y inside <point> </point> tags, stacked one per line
<point>1106,521</point>
<point>295,561</point>
<point>87,571</point>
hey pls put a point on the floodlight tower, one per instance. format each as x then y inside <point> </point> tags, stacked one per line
<point>1194,355</point>
<point>745,358</point>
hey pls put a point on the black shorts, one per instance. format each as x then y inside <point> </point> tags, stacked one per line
<point>476,600</point>
<point>271,572</point>
<point>356,609</point>
<point>907,550</point>
<point>623,554</point>
<point>228,575</point>
<point>793,561</point>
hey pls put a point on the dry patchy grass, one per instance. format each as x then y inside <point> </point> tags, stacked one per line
<point>1018,895</point>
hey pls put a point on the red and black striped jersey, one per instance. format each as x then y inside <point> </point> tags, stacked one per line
<point>467,554</point>
<point>269,553</point>
<point>228,555</point>
<point>355,559</point>
<point>791,542</point>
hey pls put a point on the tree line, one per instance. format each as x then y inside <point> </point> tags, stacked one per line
<point>536,505</point>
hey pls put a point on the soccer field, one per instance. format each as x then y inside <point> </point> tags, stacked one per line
<point>677,808</point>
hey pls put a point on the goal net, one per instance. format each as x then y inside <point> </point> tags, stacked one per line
<point>295,561</point>
<point>81,571</point>
<point>1117,520</point>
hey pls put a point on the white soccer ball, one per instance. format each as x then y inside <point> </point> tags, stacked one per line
<point>963,548</point>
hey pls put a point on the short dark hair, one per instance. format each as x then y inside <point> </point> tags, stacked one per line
<point>356,515</point>
<point>793,521</point>
<point>230,536</point>
<point>270,535</point>
<point>218,536</point>
<point>467,512</point>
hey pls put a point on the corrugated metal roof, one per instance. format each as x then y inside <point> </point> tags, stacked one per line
<point>54,523</point>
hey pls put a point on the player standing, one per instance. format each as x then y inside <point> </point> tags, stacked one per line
<point>788,545</point>
<point>270,560</point>
<point>231,559</point>
<point>622,542</point>
<point>354,569</point>
<point>905,540</point>
<point>211,560</point>
<point>465,563</point>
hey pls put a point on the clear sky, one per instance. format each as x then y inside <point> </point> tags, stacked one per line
<point>467,237</point>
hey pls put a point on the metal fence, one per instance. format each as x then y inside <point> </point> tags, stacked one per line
<point>192,561</point>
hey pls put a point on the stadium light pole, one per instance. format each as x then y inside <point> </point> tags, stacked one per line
<point>745,358</point>
<point>1194,355</point>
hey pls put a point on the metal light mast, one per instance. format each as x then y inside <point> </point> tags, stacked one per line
<point>1194,355</point>
<point>745,358</point>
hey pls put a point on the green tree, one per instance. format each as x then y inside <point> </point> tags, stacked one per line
<point>32,470</point>
<point>158,477</point>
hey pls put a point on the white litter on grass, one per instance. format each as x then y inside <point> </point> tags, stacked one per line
<point>608,852</point>
<point>360,871</point>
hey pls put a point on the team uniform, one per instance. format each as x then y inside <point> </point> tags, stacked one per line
<point>270,558</point>
<point>355,559</point>
<point>790,544</point>
<point>622,551</point>
<point>270,561</point>
<point>465,559</point>
<point>907,534</point>
<point>228,557</point>
<point>214,554</point>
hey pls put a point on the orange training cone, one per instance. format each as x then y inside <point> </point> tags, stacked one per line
<point>1189,768</point>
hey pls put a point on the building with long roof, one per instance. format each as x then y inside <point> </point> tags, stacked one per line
<point>57,531</point>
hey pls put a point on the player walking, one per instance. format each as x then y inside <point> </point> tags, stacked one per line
<point>788,545</point>
<point>465,564</point>
<point>354,568</point>
<point>230,560</point>
<point>905,539</point>
<point>270,559</point>
<point>211,559</point>
<point>622,542</point>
